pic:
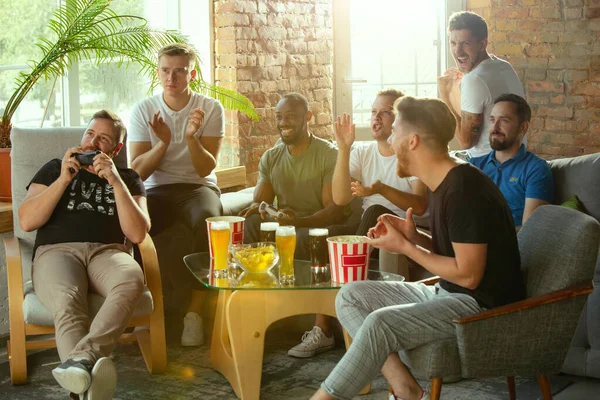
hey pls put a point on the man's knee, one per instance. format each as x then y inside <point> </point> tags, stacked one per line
<point>346,297</point>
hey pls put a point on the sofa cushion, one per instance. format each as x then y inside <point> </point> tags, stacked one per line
<point>235,202</point>
<point>579,176</point>
<point>35,312</point>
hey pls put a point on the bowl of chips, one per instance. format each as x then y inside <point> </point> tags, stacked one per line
<point>258,257</point>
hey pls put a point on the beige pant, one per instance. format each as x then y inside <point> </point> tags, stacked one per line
<point>62,276</point>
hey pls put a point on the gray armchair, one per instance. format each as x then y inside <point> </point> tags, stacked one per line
<point>28,318</point>
<point>558,249</point>
<point>581,176</point>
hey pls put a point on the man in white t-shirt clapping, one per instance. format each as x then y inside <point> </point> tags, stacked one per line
<point>174,142</point>
<point>470,90</point>
<point>369,171</point>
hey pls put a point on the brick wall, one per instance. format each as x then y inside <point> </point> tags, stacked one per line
<point>553,45</point>
<point>265,49</point>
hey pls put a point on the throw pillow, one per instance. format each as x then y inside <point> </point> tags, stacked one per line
<point>574,203</point>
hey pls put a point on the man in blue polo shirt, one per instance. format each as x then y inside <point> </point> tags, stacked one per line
<point>524,179</point>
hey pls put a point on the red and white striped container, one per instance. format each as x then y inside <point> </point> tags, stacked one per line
<point>348,258</point>
<point>236,227</point>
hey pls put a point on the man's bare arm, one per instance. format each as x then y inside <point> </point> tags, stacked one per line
<point>204,153</point>
<point>342,194</point>
<point>145,159</point>
<point>404,200</point>
<point>465,270</point>
<point>468,129</point>
<point>530,206</point>
<point>262,192</point>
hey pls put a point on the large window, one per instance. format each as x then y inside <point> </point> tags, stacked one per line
<point>71,100</point>
<point>382,44</point>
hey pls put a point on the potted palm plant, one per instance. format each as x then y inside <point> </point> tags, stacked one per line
<point>91,30</point>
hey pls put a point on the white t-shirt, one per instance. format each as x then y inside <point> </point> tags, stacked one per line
<point>176,166</point>
<point>478,90</point>
<point>367,165</point>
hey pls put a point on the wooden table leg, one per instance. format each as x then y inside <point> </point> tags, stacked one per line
<point>220,349</point>
<point>250,312</point>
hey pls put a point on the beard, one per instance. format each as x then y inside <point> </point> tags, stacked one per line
<point>294,137</point>
<point>500,145</point>
<point>402,162</point>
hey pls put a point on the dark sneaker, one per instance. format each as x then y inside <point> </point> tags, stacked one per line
<point>74,375</point>
<point>104,380</point>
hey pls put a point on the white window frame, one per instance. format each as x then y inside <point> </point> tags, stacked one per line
<point>343,79</point>
<point>69,83</point>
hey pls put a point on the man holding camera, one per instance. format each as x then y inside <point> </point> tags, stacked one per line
<point>85,210</point>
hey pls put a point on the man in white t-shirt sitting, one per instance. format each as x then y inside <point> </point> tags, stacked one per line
<point>369,171</point>
<point>470,90</point>
<point>174,142</point>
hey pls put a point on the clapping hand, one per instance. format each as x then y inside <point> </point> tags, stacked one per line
<point>160,128</point>
<point>195,121</point>
<point>393,233</point>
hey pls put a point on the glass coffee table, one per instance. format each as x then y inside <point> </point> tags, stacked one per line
<point>248,303</point>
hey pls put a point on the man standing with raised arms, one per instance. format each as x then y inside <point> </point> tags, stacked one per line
<point>470,90</point>
<point>174,141</point>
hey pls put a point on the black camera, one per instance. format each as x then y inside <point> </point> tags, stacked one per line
<point>86,158</point>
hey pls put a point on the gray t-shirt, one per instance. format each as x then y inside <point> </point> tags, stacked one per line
<point>298,180</point>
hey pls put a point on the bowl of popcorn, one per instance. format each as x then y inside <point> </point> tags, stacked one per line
<point>255,257</point>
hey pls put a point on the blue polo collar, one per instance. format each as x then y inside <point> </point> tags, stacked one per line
<point>520,156</point>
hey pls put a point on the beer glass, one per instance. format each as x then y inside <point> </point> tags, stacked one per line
<point>317,246</point>
<point>267,231</point>
<point>219,238</point>
<point>285,237</point>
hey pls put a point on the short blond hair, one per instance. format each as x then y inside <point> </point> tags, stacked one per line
<point>430,118</point>
<point>180,49</point>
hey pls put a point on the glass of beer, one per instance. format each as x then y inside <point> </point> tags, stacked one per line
<point>285,237</point>
<point>317,246</point>
<point>219,238</point>
<point>267,231</point>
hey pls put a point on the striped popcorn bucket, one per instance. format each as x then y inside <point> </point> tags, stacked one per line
<point>236,227</point>
<point>348,258</point>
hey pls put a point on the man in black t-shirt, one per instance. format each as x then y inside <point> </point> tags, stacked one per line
<point>84,215</point>
<point>473,248</point>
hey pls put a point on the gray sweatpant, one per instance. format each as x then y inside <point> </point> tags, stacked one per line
<point>387,317</point>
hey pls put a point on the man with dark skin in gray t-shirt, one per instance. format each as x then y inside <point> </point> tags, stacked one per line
<point>298,172</point>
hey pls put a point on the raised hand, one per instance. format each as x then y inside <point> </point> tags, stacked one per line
<point>345,131</point>
<point>449,87</point>
<point>160,128</point>
<point>195,121</point>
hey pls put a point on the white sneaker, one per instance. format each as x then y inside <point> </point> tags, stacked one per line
<point>104,380</point>
<point>313,342</point>
<point>192,330</point>
<point>425,396</point>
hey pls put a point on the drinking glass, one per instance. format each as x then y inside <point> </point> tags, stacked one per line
<point>219,238</point>
<point>267,231</point>
<point>285,237</point>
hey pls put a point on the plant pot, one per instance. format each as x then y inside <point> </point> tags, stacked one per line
<point>5,192</point>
